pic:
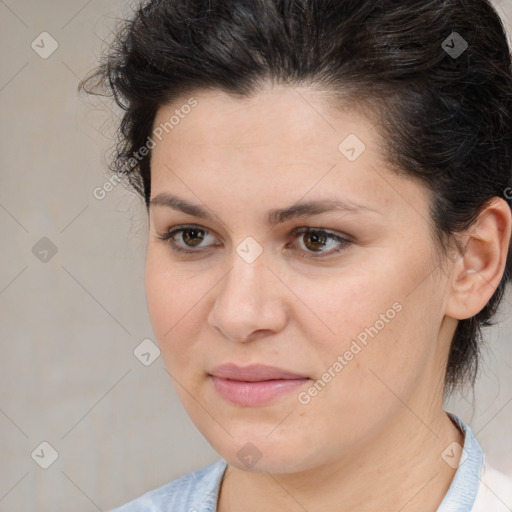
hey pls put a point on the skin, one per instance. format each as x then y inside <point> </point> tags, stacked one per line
<point>372,439</point>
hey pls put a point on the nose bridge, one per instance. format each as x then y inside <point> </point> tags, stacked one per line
<point>245,284</point>
<point>247,301</point>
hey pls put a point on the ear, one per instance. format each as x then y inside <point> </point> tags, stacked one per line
<point>477,272</point>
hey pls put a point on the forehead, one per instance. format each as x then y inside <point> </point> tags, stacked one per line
<point>282,142</point>
<point>272,118</point>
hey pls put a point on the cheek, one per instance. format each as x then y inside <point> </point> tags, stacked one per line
<point>376,319</point>
<point>337,306</point>
<point>169,296</point>
<point>160,300</point>
<point>178,309</point>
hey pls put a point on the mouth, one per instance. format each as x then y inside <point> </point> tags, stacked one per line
<point>254,385</point>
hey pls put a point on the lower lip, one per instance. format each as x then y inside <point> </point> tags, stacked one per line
<point>254,393</point>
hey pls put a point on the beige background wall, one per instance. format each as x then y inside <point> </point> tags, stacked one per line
<point>70,321</point>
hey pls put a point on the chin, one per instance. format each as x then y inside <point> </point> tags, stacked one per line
<point>258,454</point>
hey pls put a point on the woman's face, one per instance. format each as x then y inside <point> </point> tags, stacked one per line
<point>358,321</point>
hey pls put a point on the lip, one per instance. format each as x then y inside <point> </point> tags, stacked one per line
<point>254,385</point>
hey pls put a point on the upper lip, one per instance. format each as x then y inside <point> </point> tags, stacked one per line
<point>253,372</point>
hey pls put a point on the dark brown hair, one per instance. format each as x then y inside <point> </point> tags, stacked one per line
<point>445,109</point>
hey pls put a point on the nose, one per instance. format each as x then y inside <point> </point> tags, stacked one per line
<point>249,302</point>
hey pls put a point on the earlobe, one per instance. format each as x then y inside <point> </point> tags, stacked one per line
<point>478,271</point>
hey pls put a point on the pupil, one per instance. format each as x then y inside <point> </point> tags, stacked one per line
<point>195,235</point>
<point>317,239</point>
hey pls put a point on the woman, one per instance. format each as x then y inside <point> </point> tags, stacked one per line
<point>328,195</point>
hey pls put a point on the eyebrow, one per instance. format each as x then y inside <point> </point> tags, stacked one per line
<point>274,216</point>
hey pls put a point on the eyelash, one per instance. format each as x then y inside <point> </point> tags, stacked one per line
<point>168,238</point>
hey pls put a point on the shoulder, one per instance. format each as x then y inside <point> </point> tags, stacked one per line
<point>194,492</point>
<point>494,492</point>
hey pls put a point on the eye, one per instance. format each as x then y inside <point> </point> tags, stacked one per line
<point>191,236</point>
<point>315,239</point>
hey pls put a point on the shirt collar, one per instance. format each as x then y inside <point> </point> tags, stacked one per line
<point>462,492</point>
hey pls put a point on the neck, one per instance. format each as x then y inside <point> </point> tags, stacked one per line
<point>400,469</point>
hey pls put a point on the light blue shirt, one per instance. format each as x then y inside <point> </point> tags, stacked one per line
<point>198,491</point>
